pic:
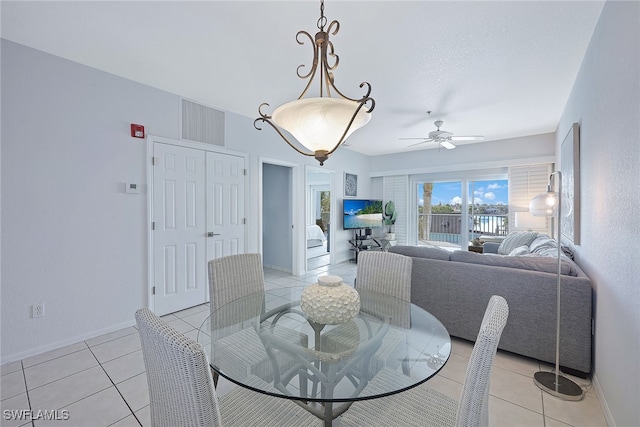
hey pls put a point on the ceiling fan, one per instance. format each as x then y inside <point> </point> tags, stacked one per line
<point>444,138</point>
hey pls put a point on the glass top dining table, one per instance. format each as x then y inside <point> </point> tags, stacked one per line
<point>265,342</point>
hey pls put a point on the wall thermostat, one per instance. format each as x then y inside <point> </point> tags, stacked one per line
<point>132,188</point>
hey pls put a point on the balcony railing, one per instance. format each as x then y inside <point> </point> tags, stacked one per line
<point>447,227</point>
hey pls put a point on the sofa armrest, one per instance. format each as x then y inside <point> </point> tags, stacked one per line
<point>490,247</point>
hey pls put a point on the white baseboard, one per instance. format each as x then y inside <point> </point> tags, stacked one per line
<point>63,343</point>
<point>603,402</point>
<point>277,268</point>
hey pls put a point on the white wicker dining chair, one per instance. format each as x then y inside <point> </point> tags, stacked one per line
<point>421,406</point>
<point>390,274</point>
<point>230,278</point>
<point>385,272</point>
<point>234,276</point>
<point>181,390</point>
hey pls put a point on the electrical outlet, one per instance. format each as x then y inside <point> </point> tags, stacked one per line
<point>38,310</point>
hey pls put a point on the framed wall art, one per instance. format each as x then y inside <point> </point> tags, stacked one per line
<point>570,168</point>
<point>350,185</point>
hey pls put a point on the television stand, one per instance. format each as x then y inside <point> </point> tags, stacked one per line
<point>363,242</point>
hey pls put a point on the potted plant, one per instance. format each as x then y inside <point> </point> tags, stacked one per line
<point>390,215</point>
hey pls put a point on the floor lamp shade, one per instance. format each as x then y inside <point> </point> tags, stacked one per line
<point>549,204</point>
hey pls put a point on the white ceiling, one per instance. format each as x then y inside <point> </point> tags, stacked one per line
<point>501,69</point>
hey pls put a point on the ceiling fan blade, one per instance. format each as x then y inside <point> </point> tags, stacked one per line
<point>446,144</point>
<point>466,138</point>
<point>421,142</point>
<point>424,137</point>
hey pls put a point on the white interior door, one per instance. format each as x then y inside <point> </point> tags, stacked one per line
<point>179,238</point>
<point>225,205</point>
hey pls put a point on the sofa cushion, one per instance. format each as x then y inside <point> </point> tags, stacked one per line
<point>515,240</point>
<point>431,252</point>
<point>525,262</point>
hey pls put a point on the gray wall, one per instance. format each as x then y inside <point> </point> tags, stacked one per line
<point>277,218</point>
<point>71,237</point>
<point>490,154</point>
<point>605,101</point>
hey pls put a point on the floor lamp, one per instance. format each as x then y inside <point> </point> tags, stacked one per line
<point>550,204</point>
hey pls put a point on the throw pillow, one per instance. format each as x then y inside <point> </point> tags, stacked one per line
<point>520,250</point>
<point>542,242</point>
<point>515,240</point>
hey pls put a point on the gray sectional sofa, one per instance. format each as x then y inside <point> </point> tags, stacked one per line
<point>456,287</point>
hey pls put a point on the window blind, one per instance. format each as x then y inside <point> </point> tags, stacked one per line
<point>526,182</point>
<point>395,188</point>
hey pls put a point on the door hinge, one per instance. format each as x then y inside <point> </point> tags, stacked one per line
<point>154,161</point>
<point>244,221</point>
<point>153,290</point>
<point>244,172</point>
<point>153,225</point>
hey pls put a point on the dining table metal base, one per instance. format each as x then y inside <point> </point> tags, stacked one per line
<point>326,411</point>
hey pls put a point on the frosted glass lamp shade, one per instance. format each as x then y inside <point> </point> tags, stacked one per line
<point>546,204</point>
<point>318,123</point>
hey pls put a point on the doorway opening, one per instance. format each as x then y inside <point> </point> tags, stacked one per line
<point>318,218</point>
<point>277,217</point>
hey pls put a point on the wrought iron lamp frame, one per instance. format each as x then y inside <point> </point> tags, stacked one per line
<point>322,48</point>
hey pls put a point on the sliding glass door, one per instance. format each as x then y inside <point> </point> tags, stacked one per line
<point>488,208</point>
<point>452,213</point>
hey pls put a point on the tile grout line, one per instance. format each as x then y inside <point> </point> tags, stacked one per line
<point>26,389</point>
<point>76,401</point>
<point>117,389</point>
<point>53,358</point>
<point>519,405</point>
<point>64,377</point>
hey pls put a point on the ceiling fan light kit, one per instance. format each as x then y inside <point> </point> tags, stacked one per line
<point>320,124</point>
<point>446,144</point>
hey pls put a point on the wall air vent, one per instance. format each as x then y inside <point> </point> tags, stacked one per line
<point>202,124</point>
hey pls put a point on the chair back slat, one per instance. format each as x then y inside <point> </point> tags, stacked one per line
<point>385,272</point>
<point>234,276</point>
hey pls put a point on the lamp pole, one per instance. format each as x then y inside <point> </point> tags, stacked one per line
<point>554,383</point>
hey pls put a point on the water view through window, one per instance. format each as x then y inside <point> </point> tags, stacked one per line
<point>441,222</point>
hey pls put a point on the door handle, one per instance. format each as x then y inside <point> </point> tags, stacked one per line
<point>211,234</point>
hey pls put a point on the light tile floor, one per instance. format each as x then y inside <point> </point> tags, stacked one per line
<point>101,381</point>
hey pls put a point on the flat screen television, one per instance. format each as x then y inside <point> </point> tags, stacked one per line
<point>362,213</point>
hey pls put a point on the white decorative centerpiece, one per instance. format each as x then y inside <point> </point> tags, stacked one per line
<point>330,301</point>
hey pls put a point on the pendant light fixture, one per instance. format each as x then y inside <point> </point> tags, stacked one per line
<point>320,124</point>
